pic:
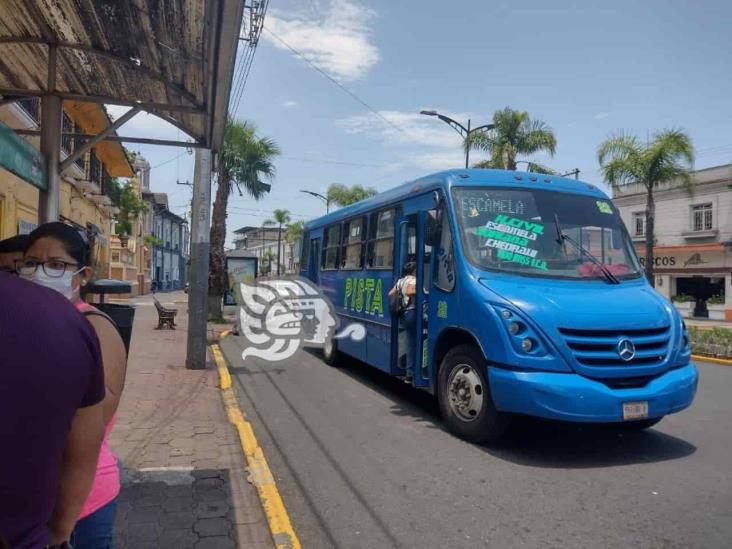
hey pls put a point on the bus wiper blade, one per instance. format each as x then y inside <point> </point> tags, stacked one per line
<point>610,276</point>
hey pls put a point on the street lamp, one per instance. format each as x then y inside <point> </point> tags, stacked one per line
<point>462,130</point>
<point>323,198</point>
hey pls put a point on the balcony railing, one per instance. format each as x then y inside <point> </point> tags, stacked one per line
<point>32,106</point>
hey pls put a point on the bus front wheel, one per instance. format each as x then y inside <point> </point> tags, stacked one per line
<point>465,398</point>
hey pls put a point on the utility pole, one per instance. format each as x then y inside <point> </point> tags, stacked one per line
<point>200,245</point>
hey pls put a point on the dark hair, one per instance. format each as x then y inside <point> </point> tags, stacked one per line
<point>75,241</point>
<point>13,244</point>
<point>409,268</point>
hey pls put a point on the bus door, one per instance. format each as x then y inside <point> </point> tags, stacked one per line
<point>412,246</point>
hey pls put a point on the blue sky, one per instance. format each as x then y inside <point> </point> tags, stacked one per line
<point>586,68</point>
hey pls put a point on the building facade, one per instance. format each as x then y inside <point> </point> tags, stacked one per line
<point>261,242</point>
<point>169,253</point>
<point>130,258</point>
<point>89,194</point>
<point>693,240</point>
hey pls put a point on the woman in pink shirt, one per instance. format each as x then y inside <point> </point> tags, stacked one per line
<point>58,257</point>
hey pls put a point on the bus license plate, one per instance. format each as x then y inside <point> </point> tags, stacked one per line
<point>635,410</point>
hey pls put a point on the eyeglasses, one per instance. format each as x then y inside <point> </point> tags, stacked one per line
<point>54,268</point>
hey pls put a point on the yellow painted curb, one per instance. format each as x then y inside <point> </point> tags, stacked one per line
<point>261,476</point>
<point>715,360</point>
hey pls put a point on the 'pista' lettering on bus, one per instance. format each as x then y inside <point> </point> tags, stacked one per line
<point>363,295</point>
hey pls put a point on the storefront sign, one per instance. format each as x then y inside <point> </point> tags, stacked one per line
<point>21,158</point>
<point>679,262</point>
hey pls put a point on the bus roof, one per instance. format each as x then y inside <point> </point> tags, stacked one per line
<point>458,177</point>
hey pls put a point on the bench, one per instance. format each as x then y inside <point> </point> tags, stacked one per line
<point>166,317</point>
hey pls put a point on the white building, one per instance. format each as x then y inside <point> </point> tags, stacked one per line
<point>261,242</point>
<point>693,239</point>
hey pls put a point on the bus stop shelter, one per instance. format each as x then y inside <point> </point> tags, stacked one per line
<point>171,58</point>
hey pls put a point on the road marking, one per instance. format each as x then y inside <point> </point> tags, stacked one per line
<point>260,474</point>
<point>715,360</point>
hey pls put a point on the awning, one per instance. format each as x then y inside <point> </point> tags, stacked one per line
<point>710,247</point>
<point>172,58</point>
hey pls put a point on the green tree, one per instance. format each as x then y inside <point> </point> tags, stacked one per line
<point>341,195</point>
<point>668,156</point>
<point>267,258</point>
<point>515,134</point>
<point>245,161</point>
<point>131,206</point>
<point>281,217</point>
<point>293,233</point>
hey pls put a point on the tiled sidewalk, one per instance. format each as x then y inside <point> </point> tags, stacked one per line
<point>184,477</point>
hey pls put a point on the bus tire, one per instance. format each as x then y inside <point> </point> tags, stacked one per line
<point>465,397</point>
<point>330,351</point>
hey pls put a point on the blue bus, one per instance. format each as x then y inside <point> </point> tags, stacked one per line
<point>530,300</point>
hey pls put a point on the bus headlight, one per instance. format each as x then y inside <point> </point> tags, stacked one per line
<point>524,339</point>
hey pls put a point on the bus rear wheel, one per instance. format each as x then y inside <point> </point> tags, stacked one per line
<point>465,398</point>
<point>330,351</point>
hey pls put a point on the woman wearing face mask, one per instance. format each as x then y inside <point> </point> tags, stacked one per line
<point>58,257</point>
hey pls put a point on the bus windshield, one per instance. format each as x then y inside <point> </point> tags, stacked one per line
<point>544,233</point>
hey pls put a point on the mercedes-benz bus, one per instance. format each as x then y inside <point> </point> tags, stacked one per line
<point>530,300</point>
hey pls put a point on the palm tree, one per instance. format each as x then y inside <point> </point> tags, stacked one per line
<point>669,155</point>
<point>515,133</point>
<point>343,196</point>
<point>293,233</point>
<point>244,161</point>
<point>267,258</point>
<point>281,217</point>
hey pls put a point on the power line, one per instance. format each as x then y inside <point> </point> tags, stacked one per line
<point>169,160</point>
<point>334,81</point>
<point>256,21</point>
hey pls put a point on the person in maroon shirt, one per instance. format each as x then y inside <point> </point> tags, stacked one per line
<point>51,423</point>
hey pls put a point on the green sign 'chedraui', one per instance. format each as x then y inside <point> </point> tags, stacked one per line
<point>21,158</point>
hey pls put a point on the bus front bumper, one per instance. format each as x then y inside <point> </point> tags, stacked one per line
<point>571,397</point>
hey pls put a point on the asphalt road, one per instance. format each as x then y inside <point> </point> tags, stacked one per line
<point>363,461</point>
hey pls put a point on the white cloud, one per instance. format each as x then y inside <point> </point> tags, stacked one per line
<point>601,115</point>
<point>289,104</point>
<point>334,34</point>
<point>424,142</point>
<point>416,129</point>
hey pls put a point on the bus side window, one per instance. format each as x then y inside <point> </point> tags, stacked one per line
<point>352,251</point>
<point>381,240</point>
<point>331,247</point>
<point>444,265</point>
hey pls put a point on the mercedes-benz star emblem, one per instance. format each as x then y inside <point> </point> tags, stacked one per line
<point>626,349</point>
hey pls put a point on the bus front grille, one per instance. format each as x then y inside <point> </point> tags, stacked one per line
<point>602,348</point>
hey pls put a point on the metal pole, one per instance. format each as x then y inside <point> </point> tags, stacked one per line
<point>51,116</point>
<point>467,148</point>
<point>200,244</point>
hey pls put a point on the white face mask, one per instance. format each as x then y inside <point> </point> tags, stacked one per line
<point>62,284</point>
